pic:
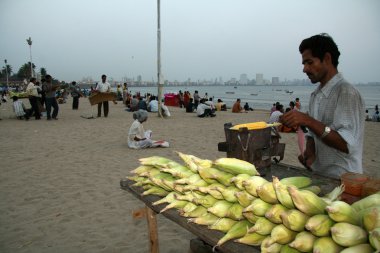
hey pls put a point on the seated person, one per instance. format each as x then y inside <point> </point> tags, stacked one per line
<point>275,116</point>
<point>220,106</point>
<point>236,108</point>
<point>210,103</point>
<point>165,110</point>
<point>19,108</point>
<point>153,104</point>
<point>138,138</point>
<point>134,103</point>
<point>247,108</point>
<point>190,106</point>
<point>142,104</point>
<point>376,116</point>
<point>204,110</point>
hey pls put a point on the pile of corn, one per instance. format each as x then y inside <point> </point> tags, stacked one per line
<point>284,215</point>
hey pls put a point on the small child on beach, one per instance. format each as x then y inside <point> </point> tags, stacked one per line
<point>19,108</point>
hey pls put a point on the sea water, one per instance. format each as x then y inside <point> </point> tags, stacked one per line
<point>262,97</point>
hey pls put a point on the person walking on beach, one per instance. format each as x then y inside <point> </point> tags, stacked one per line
<point>103,86</point>
<point>335,119</point>
<point>32,91</point>
<point>51,101</point>
<point>75,93</point>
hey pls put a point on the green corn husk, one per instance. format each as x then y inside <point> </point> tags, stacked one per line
<point>188,196</point>
<point>374,239</point>
<point>212,189</point>
<point>334,194</point>
<point>214,174</point>
<point>361,248</point>
<point>238,230</point>
<point>306,201</point>
<point>167,199</point>
<point>143,181</point>
<point>303,242</point>
<point>147,187</point>
<point>282,194</point>
<point>239,179</point>
<point>220,208</point>
<point>262,226</point>
<point>244,198</point>
<point>178,204</point>
<point>370,218</point>
<point>273,213</point>
<point>281,234</point>
<point>193,162</point>
<point>319,225</point>
<point>313,188</point>
<point>266,192</point>
<point>294,219</point>
<point>155,190</point>
<point>194,180</point>
<point>143,169</point>
<point>251,217</point>
<point>197,212</point>
<point>288,249</point>
<point>299,182</point>
<point>179,171</point>
<point>156,161</point>
<point>229,193</point>
<point>189,207</point>
<point>347,235</point>
<point>326,245</point>
<point>207,219</point>
<point>253,239</point>
<point>150,173</point>
<point>370,201</point>
<point>235,166</point>
<point>157,180</point>
<point>135,178</point>
<point>179,189</point>
<point>258,207</point>
<point>267,247</point>
<point>206,201</point>
<point>340,211</point>
<point>223,224</point>
<point>235,212</point>
<point>252,183</point>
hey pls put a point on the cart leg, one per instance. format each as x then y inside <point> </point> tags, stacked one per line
<point>152,225</point>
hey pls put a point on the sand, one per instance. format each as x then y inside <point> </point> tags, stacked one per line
<point>59,183</point>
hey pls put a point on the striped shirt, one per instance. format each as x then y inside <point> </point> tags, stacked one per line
<point>340,106</point>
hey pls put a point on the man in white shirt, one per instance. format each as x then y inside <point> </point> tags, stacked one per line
<point>103,86</point>
<point>275,116</point>
<point>32,91</point>
<point>336,113</point>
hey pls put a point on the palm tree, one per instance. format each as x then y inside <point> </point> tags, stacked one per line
<point>43,72</point>
<point>24,71</point>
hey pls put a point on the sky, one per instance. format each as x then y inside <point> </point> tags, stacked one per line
<point>200,39</point>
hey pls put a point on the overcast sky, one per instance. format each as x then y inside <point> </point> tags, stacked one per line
<point>201,39</point>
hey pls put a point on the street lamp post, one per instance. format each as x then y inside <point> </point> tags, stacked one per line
<point>30,49</point>
<point>6,70</point>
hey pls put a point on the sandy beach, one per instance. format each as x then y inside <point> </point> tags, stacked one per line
<point>59,183</point>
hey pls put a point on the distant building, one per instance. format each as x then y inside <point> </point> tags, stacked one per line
<point>275,80</point>
<point>259,79</point>
<point>243,79</point>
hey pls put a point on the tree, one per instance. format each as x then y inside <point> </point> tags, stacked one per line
<point>24,71</point>
<point>43,72</point>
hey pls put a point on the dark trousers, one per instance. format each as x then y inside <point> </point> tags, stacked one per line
<point>34,103</point>
<point>105,108</point>
<point>51,102</point>
<point>75,103</point>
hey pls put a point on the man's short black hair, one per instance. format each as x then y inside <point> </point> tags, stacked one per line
<point>319,45</point>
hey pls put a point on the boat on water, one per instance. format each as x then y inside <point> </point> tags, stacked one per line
<point>289,92</point>
<point>254,94</point>
<point>230,92</point>
<point>235,87</point>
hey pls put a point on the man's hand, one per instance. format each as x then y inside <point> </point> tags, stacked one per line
<point>294,119</point>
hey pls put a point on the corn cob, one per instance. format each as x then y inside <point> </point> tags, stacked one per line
<point>235,212</point>
<point>197,212</point>
<point>334,194</point>
<point>370,218</point>
<point>229,193</point>
<point>192,162</point>
<point>155,190</point>
<point>167,199</point>
<point>206,201</point>
<point>194,180</point>
<point>288,249</point>
<point>251,217</point>
<point>267,247</point>
<point>255,125</point>
<point>189,207</point>
<point>299,182</point>
<point>223,224</point>
<point>237,230</point>
<point>282,194</point>
<point>258,207</point>
<point>220,208</point>
<point>362,248</point>
<point>235,166</point>
<point>326,245</point>
<point>142,169</point>
<point>262,226</point>
<point>306,201</point>
<point>207,219</point>
<point>340,211</point>
<point>347,235</point>
<point>238,180</point>
<point>367,202</point>
<point>273,213</point>
<point>281,234</point>
<point>178,204</point>
<point>253,239</point>
<point>313,188</point>
<point>374,239</point>
<point>266,192</point>
<point>319,225</point>
<point>294,219</point>
<point>212,189</point>
<point>303,242</point>
<point>252,183</point>
<point>244,198</point>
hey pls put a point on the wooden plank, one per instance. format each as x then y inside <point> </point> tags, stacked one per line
<point>152,226</point>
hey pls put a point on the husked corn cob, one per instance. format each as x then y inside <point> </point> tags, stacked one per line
<point>347,235</point>
<point>254,125</point>
<point>235,166</point>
